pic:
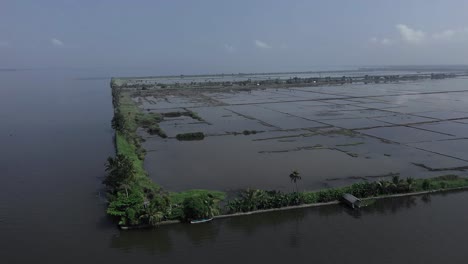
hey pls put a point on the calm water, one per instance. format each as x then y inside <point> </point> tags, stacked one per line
<point>54,138</point>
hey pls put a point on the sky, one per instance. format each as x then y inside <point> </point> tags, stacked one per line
<point>185,37</point>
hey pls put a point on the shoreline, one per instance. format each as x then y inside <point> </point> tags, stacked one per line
<point>171,222</point>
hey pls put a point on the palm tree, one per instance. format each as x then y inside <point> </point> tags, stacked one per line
<point>152,214</point>
<point>294,176</point>
<point>252,198</point>
<point>383,186</point>
<point>410,182</point>
<point>213,208</point>
<point>120,170</point>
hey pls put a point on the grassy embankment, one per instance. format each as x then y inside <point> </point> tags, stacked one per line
<point>134,198</point>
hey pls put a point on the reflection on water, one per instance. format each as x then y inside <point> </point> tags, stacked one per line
<point>388,231</point>
<point>162,239</point>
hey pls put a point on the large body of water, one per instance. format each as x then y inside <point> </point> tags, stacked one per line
<point>54,138</point>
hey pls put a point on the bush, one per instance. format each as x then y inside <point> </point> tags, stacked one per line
<point>191,136</point>
<point>199,207</point>
<point>426,185</point>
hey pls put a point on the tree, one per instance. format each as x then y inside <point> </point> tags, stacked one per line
<point>118,122</point>
<point>383,186</point>
<point>120,172</point>
<point>294,176</point>
<point>426,184</point>
<point>410,182</point>
<point>127,208</point>
<point>200,206</point>
<point>156,210</point>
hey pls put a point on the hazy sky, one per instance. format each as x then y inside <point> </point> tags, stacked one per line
<point>231,36</point>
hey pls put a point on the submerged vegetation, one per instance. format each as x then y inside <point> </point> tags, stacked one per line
<point>191,136</point>
<point>188,113</point>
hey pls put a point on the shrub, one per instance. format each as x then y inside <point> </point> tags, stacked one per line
<point>199,207</point>
<point>191,136</point>
<point>426,184</point>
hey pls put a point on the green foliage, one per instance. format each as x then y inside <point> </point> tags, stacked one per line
<point>120,172</point>
<point>191,136</point>
<point>179,197</point>
<point>148,119</point>
<point>177,200</point>
<point>156,130</point>
<point>329,195</point>
<point>426,185</point>
<point>194,115</point>
<point>200,207</point>
<point>252,199</point>
<point>156,210</point>
<point>118,122</point>
<point>127,207</point>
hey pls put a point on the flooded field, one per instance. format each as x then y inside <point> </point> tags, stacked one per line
<point>334,135</point>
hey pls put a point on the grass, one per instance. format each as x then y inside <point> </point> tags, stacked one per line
<point>135,118</point>
<point>441,182</point>
<point>128,143</point>
<point>188,113</point>
<point>126,148</point>
<point>195,116</point>
<point>178,197</point>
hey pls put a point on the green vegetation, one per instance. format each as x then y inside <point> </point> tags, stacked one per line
<point>177,200</point>
<point>250,200</point>
<point>191,136</point>
<point>188,113</point>
<point>200,207</point>
<point>194,116</point>
<point>133,198</point>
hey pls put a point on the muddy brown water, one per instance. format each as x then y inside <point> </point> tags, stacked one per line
<point>55,136</point>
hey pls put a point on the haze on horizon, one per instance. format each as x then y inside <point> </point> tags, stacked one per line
<point>215,36</point>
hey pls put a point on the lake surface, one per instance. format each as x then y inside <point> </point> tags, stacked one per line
<point>54,138</point>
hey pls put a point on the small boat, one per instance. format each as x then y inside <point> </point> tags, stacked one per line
<point>199,221</point>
